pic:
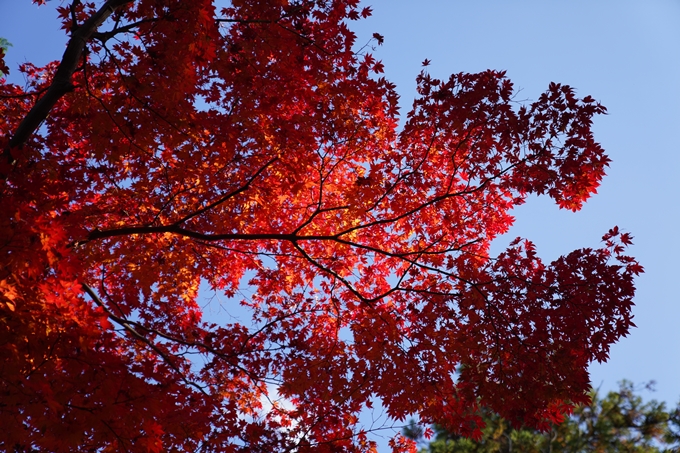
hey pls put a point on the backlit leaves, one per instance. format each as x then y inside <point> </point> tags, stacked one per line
<point>248,150</point>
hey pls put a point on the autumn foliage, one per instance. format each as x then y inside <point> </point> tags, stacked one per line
<point>251,150</point>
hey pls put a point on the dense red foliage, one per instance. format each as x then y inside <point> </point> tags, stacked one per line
<point>250,146</point>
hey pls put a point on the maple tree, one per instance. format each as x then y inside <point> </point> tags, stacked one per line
<point>182,144</point>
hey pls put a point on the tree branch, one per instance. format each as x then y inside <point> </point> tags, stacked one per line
<point>61,83</point>
<point>106,35</point>
<point>132,331</point>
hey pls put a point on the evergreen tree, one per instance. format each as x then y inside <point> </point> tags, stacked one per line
<point>619,422</point>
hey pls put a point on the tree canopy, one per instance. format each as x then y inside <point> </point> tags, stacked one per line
<point>180,145</point>
<point>619,422</point>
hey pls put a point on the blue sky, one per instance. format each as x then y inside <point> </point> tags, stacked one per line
<point>626,54</point>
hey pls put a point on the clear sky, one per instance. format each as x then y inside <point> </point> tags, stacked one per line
<point>625,53</point>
